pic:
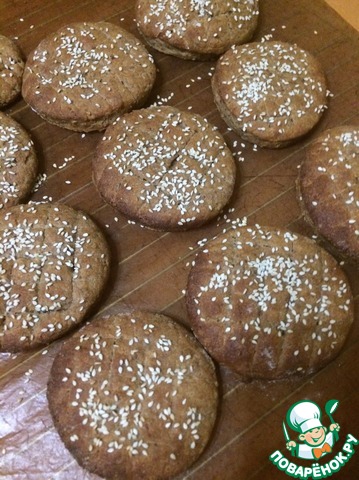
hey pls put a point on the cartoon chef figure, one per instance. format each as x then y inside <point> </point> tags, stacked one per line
<point>304,417</point>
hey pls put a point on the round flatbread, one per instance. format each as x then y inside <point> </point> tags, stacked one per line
<point>164,168</point>
<point>196,29</point>
<point>18,162</point>
<point>11,70</point>
<point>54,264</point>
<point>270,93</point>
<point>133,395</point>
<point>328,188</point>
<point>269,303</point>
<point>86,74</point>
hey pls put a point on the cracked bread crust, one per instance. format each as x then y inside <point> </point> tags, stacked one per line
<point>18,162</point>
<point>164,168</point>
<point>270,93</point>
<point>133,395</point>
<point>11,70</point>
<point>196,29</point>
<point>268,303</point>
<point>54,264</point>
<point>86,74</point>
<point>328,189</point>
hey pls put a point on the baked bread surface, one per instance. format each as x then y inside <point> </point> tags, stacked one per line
<point>164,168</point>
<point>268,303</point>
<point>86,74</point>
<point>18,161</point>
<point>133,396</point>
<point>196,29</point>
<point>11,70</point>
<point>328,189</point>
<point>271,93</point>
<point>54,264</point>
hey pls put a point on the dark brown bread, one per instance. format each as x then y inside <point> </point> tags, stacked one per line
<point>86,74</point>
<point>328,188</point>
<point>54,263</point>
<point>11,70</point>
<point>196,29</point>
<point>133,396</point>
<point>269,303</point>
<point>164,168</point>
<point>18,162</point>
<point>270,93</point>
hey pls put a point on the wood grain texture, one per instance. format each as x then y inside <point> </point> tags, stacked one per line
<point>149,268</point>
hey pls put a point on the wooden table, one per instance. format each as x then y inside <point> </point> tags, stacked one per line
<point>150,268</point>
<point>348,9</point>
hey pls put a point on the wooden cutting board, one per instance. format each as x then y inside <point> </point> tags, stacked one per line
<point>149,269</point>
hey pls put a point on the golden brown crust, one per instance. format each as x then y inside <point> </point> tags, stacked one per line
<point>270,93</point>
<point>133,395</point>
<point>269,303</point>
<point>11,70</point>
<point>18,162</point>
<point>85,74</point>
<point>196,29</point>
<point>328,188</point>
<point>165,168</point>
<point>54,264</point>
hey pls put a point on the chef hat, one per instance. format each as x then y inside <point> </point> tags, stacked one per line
<point>304,416</point>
